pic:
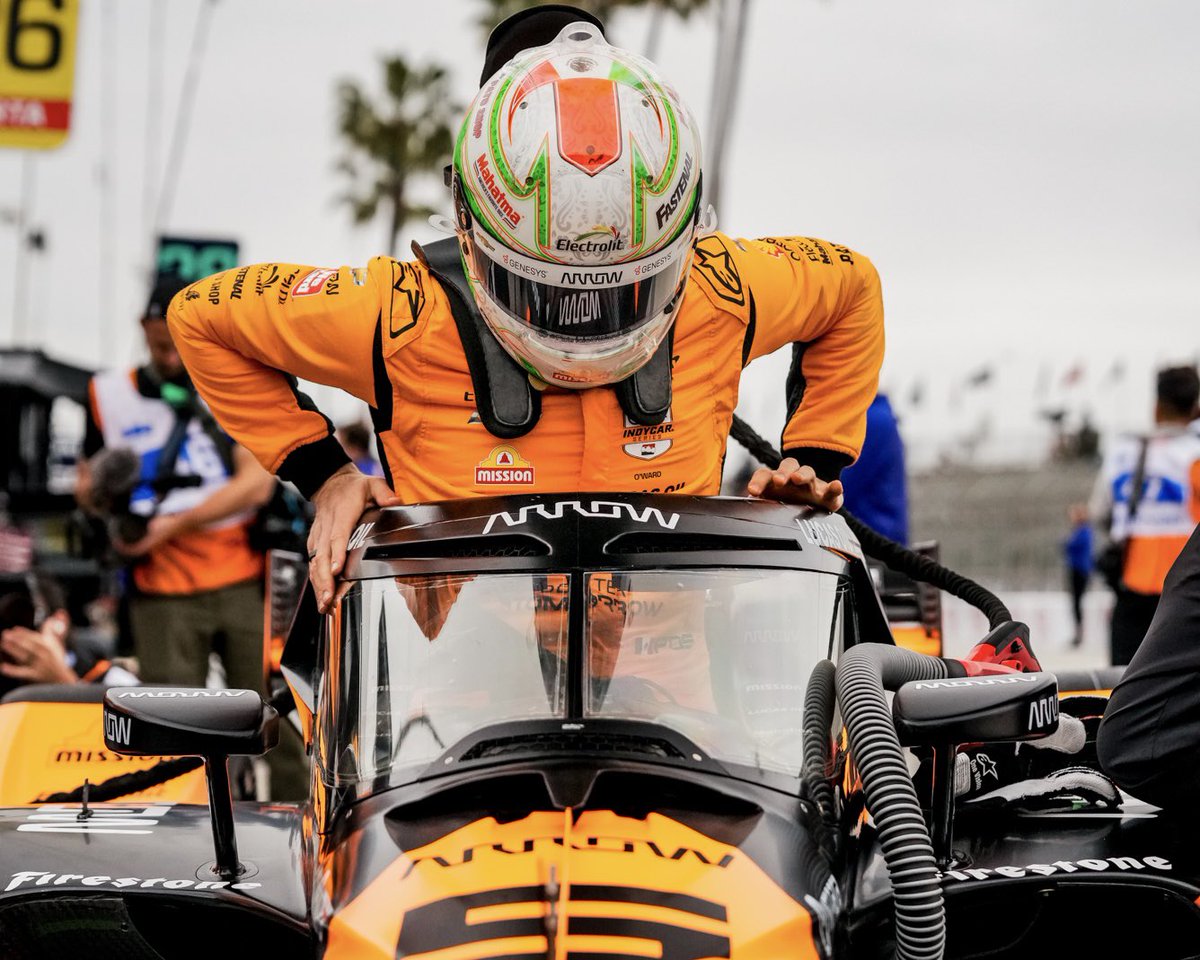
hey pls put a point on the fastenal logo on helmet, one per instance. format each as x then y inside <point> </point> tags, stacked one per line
<point>577,187</point>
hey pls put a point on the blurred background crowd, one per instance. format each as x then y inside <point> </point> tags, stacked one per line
<point>1021,175</point>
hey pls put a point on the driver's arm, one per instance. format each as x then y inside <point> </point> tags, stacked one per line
<point>245,335</point>
<point>825,300</point>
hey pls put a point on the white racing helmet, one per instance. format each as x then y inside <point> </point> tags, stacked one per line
<point>577,194</point>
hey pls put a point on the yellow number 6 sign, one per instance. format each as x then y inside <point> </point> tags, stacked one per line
<point>37,71</point>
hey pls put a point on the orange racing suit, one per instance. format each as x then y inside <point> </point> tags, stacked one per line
<point>386,335</point>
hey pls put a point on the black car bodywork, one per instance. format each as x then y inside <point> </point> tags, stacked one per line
<point>576,834</point>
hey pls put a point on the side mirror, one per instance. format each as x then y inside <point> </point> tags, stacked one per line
<point>185,721</point>
<point>1009,706</point>
<point>945,713</point>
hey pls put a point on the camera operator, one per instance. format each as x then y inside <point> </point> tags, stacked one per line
<point>178,498</point>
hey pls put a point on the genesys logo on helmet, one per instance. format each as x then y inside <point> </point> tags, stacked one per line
<point>522,266</point>
<point>313,282</point>
<point>504,466</point>
<point>652,265</point>
<point>493,191</point>
<point>667,209</point>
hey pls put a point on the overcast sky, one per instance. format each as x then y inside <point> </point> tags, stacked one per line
<point>1023,173</point>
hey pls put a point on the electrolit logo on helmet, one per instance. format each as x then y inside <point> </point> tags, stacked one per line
<point>667,209</point>
<point>499,199</point>
<point>608,241</point>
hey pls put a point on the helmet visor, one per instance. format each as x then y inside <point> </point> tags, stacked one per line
<point>586,305</point>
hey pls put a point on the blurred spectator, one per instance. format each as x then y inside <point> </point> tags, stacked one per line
<point>1087,440</point>
<point>1147,501</point>
<point>35,640</point>
<point>179,498</point>
<point>875,486</point>
<point>16,548</point>
<point>1077,550</point>
<point>356,441</point>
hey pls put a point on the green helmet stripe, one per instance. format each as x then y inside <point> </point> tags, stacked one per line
<point>536,183</point>
<point>642,182</point>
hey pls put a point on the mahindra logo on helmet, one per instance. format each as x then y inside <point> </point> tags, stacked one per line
<point>492,190</point>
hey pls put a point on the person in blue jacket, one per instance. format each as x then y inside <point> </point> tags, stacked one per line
<point>875,488</point>
<point>1078,553</point>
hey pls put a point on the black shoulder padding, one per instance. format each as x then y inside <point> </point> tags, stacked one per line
<point>508,405</point>
<point>645,395</point>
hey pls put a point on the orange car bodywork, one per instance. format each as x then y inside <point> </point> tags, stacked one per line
<point>562,883</point>
<point>54,747</point>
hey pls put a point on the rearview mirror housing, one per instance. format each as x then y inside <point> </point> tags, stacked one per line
<point>184,721</point>
<point>943,714</point>
<point>999,707</point>
<point>190,721</point>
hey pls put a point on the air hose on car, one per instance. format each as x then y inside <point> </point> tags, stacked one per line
<point>819,697</point>
<point>895,555</point>
<point>863,673</point>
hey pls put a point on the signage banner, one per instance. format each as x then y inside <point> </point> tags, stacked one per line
<point>37,71</point>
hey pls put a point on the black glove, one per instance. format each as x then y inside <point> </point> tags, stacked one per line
<point>1066,789</point>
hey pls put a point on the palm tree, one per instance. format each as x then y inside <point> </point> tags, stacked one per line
<point>405,137</point>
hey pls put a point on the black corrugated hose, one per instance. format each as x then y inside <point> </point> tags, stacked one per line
<point>895,555</point>
<point>819,696</point>
<point>863,672</point>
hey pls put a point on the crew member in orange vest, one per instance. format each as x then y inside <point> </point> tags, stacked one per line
<point>1167,507</point>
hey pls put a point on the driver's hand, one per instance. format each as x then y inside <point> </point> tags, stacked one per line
<point>792,483</point>
<point>339,503</point>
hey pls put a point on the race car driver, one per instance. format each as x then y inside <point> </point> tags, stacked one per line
<point>586,328</point>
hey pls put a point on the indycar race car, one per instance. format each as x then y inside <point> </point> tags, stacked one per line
<point>614,726</point>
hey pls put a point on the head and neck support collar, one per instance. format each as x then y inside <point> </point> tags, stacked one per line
<point>508,405</point>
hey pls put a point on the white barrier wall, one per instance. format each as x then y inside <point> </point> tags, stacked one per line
<point>1051,627</point>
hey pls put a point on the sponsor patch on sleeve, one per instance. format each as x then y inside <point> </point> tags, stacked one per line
<point>312,282</point>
